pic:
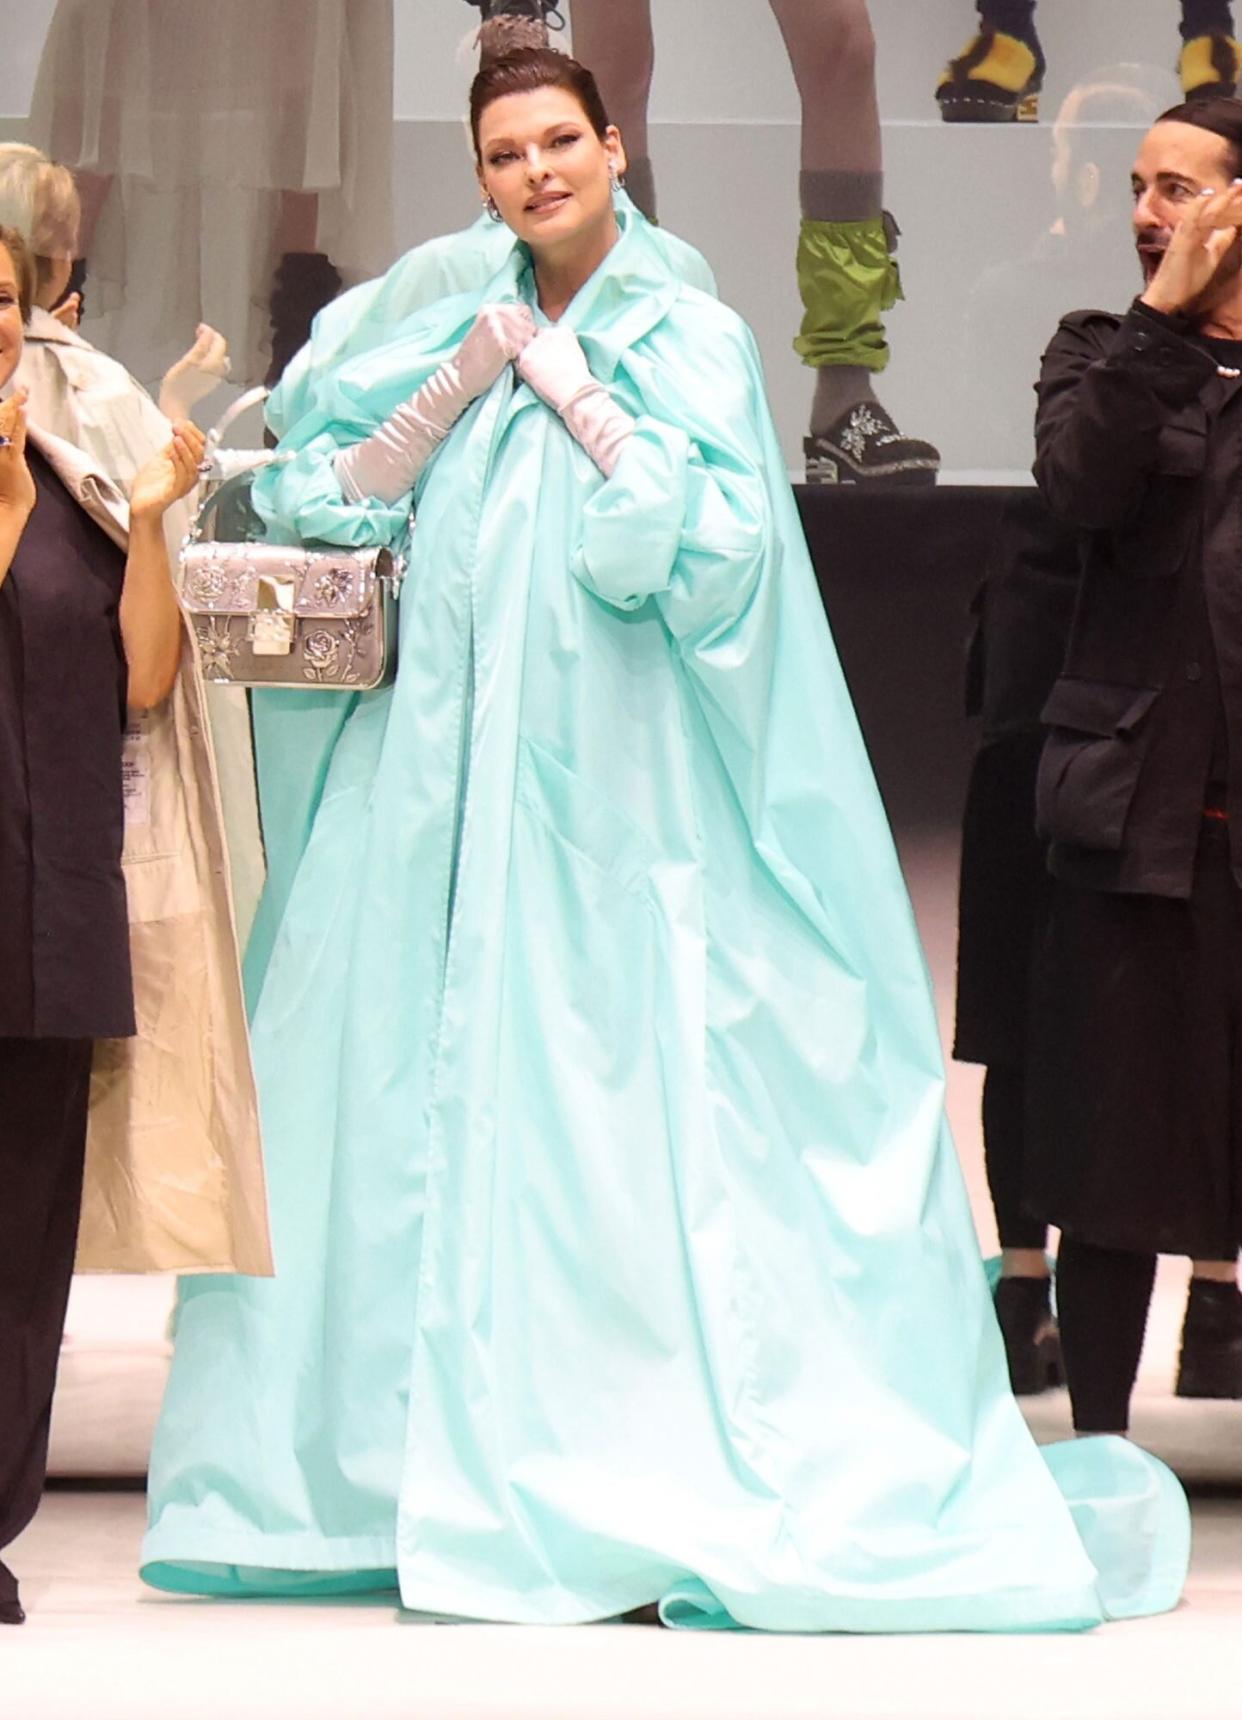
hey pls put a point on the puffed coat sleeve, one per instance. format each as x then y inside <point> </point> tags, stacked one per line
<point>299,497</point>
<point>686,516</point>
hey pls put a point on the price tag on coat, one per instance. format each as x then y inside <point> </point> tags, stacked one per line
<point>136,775</point>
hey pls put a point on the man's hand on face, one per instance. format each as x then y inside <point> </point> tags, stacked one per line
<point>1196,251</point>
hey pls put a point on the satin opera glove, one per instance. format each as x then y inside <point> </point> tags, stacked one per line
<point>555,366</point>
<point>387,464</point>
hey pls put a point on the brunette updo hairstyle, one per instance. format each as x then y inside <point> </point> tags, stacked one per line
<point>23,268</point>
<point>528,69</point>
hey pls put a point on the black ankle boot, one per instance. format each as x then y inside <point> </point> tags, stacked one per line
<point>304,282</point>
<point>11,1610</point>
<point>543,12</point>
<point>1032,1338</point>
<point>1211,1358</point>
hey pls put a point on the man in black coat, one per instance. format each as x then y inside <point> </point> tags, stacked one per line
<point>1023,612</point>
<point>1135,1097</point>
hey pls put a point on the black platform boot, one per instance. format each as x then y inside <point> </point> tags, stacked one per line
<point>1032,1337</point>
<point>996,79</point>
<point>1211,1360</point>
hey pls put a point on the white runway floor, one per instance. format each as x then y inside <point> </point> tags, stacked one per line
<point>99,1646</point>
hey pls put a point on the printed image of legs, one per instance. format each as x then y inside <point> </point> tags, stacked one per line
<point>999,74</point>
<point>1211,59</point>
<point>614,38</point>
<point>847,273</point>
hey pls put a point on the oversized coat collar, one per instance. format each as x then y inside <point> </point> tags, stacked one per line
<point>94,493</point>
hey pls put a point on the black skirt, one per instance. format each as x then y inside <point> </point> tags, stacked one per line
<point>1135,1068</point>
<point>1004,890</point>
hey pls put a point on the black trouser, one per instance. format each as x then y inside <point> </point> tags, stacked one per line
<point>1206,18</point>
<point>1014,17</point>
<point>44,1089</point>
<point>1102,1299</point>
<point>1004,1154</point>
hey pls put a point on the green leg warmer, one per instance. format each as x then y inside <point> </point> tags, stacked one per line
<point>848,278</point>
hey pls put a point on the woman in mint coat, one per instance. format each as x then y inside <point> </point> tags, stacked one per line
<point>622,1252</point>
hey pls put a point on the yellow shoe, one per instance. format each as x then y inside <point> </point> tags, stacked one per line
<point>997,79</point>
<point>1210,66</point>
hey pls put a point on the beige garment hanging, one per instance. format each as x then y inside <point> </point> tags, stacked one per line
<point>201,116</point>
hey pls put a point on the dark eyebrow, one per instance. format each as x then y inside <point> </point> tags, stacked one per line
<point>548,131</point>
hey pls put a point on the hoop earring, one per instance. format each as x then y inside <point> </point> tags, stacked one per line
<point>489,203</point>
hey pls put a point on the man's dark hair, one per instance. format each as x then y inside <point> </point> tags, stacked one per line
<point>1219,114</point>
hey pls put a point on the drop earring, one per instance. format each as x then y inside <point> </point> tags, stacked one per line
<point>489,203</point>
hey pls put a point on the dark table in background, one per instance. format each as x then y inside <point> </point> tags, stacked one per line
<point>897,570</point>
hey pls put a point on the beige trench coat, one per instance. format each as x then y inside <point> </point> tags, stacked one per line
<point>94,403</point>
<point>174,1166</point>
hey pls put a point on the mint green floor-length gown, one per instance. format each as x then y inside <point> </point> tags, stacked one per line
<point>622,1251</point>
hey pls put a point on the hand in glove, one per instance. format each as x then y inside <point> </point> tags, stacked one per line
<point>556,368</point>
<point>388,463</point>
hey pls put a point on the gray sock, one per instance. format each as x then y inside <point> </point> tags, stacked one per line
<point>840,196</point>
<point>640,183</point>
<point>837,388</point>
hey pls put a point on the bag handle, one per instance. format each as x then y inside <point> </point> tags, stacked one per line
<point>243,404</point>
<point>230,487</point>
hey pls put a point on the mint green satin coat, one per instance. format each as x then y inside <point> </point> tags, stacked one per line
<point>622,1250</point>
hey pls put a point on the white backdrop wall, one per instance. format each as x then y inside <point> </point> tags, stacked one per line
<point>984,281</point>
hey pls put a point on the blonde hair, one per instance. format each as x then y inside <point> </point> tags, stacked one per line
<point>39,200</point>
<point>23,267</point>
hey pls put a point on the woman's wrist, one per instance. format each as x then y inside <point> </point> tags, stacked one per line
<point>146,522</point>
<point>17,508</point>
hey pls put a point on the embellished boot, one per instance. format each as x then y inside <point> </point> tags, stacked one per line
<point>1032,1337</point>
<point>508,24</point>
<point>304,282</point>
<point>1210,1365</point>
<point>848,277</point>
<point>996,79</point>
<point>1210,66</point>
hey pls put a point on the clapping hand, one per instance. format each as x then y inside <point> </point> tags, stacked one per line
<point>169,475</point>
<point>17,490</point>
<point>68,313</point>
<point>195,374</point>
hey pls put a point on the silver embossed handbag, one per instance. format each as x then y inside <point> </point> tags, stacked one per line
<point>271,615</point>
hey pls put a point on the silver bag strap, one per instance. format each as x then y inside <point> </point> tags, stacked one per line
<point>244,402</point>
<point>231,486</point>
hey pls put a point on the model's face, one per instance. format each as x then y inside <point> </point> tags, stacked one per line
<point>545,169</point>
<point>1176,165</point>
<point>10,318</point>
